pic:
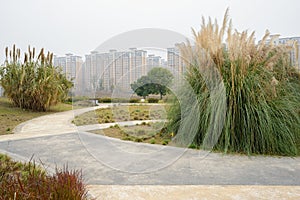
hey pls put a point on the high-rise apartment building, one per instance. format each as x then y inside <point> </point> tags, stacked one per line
<point>116,69</point>
<point>154,61</point>
<point>94,68</point>
<point>174,60</point>
<point>106,71</point>
<point>138,64</point>
<point>71,66</point>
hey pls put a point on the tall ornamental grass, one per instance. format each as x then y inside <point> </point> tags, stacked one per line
<point>34,84</point>
<point>259,112</point>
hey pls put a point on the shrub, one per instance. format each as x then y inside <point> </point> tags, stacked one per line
<point>129,138</point>
<point>116,126</point>
<point>153,100</point>
<point>260,108</point>
<point>165,142</point>
<point>152,141</point>
<point>34,84</point>
<point>134,100</point>
<point>193,146</point>
<point>117,100</point>
<point>144,123</point>
<point>105,100</point>
<point>138,140</point>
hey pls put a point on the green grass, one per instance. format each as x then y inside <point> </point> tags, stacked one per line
<point>121,113</point>
<point>11,116</point>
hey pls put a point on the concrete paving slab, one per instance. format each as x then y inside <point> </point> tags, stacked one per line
<point>195,192</point>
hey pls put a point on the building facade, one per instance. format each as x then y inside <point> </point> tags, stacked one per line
<point>115,69</point>
<point>71,66</point>
<point>105,71</point>
<point>154,61</point>
<point>175,60</point>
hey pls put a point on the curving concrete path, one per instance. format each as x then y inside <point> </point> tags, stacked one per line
<point>116,169</point>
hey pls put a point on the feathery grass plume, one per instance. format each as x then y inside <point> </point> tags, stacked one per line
<point>14,52</point>
<point>6,53</point>
<point>30,53</point>
<point>51,58</point>
<point>262,92</point>
<point>33,52</point>
<point>19,53</point>
<point>25,57</point>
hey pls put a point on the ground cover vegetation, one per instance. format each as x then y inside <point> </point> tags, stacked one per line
<point>151,132</point>
<point>121,113</point>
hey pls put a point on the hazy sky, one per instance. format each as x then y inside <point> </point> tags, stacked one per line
<point>79,26</point>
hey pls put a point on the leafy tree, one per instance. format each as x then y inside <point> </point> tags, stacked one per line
<point>156,82</point>
<point>142,86</point>
<point>160,80</point>
<point>34,84</point>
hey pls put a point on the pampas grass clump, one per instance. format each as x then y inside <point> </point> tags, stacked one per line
<point>260,110</point>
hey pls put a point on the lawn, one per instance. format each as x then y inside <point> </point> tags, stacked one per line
<point>122,113</point>
<point>11,116</point>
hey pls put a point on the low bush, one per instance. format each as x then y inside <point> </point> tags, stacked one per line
<point>153,100</point>
<point>152,141</point>
<point>105,100</point>
<point>138,140</point>
<point>134,100</point>
<point>193,146</point>
<point>117,100</point>
<point>165,142</point>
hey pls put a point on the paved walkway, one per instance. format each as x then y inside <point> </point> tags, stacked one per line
<point>116,169</point>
